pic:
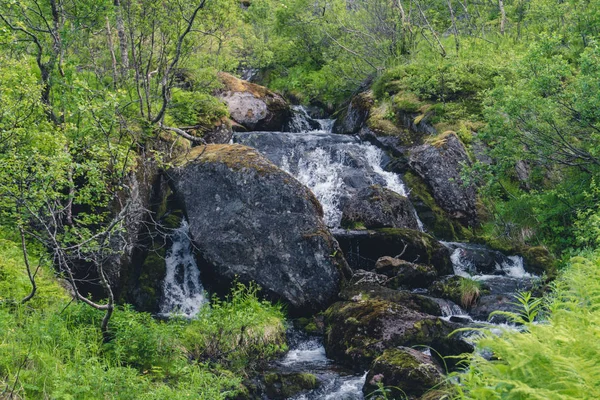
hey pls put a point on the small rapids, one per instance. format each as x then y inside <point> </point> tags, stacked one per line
<point>307,354</point>
<point>183,293</point>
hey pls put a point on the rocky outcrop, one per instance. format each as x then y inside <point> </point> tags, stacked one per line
<point>353,118</point>
<point>362,249</point>
<point>251,221</point>
<point>440,165</point>
<point>402,273</point>
<point>405,371</point>
<point>254,107</point>
<point>378,207</point>
<point>360,331</point>
<point>368,285</point>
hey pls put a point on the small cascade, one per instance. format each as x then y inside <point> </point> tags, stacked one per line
<point>307,354</point>
<point>334,167</point>
<point>183,293</point>
<point>450,308</point>
<point>302,122</point>
<point>479,262</point>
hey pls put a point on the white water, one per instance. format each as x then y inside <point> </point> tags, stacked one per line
<point>183,293</point>
<point>341,388</point>
<point>512,266</point>
<point>323,171</point>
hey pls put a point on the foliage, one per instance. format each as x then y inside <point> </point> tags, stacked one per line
<point>54,348</point>
<point>552,359</point>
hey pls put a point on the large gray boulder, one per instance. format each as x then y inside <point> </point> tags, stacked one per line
<point>252,106</point>
<point>252,221</point>
<point>378,207</point>
<point>440,165</point>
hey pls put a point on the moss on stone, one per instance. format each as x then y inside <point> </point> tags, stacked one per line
<point>286,385</point>
<point>435,219</point>
<point>540,261</point>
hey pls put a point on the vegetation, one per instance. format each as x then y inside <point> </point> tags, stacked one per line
<point>93,92</point>
<point>53,347</point>
<point>552,359</point>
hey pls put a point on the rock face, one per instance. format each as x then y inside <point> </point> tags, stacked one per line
<point>378,207</point>
<point>252,106</point>
<point>439,166</point>
<point>402,273</point>
<point>354,117</point>
<point>406,371</point>
<point>362,249</point>
<point>251,220</point>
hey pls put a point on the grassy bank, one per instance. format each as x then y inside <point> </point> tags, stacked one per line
<point>52,348</point>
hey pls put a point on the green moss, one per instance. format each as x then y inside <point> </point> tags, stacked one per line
<point>540,261</point>
<point>286,385</point>
<point>463,291</point>
<point>234,156</point>
<point>436,220</point>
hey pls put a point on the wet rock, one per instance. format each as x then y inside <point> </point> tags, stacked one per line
<point>359,331</point>
<point>478,259</point>
<point>378,207</point>
<point>252,221</point>
<point>362,249</point>
<point>353,118</point>
<point>405,274</point>
<point>405,371</point>
<point>252,106</point>
<point>440,165</point>
<point>281,385</point>
<point>368,285</point>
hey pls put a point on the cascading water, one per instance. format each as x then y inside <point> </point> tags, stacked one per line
<point>333,166</point>
<point>183,293</point>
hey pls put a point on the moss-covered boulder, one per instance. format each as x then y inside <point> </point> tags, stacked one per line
<point>405,372</point>
<point>284,385</point>
<point>362,249</point>
<point>251,221</point>
<point>253,106</point>
<point>405,274</point>
<point>368,286</point>
<point>379,207</point>
<point>434,218</point>
<point>359,331</point>
<point>439,164</point>
<point>353,117</point>
<point>539,260</point>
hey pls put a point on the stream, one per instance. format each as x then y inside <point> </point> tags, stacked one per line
<point>334,167</point>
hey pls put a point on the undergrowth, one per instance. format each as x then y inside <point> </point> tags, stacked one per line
<point>53,348</point>
<point>558,358</point>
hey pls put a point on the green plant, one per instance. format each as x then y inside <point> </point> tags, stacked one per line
<point>470,290</point>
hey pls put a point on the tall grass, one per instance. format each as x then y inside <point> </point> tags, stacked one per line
<point>558,358</point>
<point>52,348</point>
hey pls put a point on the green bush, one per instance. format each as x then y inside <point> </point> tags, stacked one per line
<point>196,108</point>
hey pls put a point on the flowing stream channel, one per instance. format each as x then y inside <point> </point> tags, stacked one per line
<point>334,167</point>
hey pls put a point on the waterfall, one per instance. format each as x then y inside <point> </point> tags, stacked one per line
<point>335,167</point>
<point>183,293</point>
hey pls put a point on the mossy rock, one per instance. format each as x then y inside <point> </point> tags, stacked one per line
<point>358,332</point>
<point>435,219</point>
<point>405,371</point>
<point>362,249</point>
<point>404,274</point>
<point>539,260</point>
<point>357,289</point>
<point>279,385</point>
